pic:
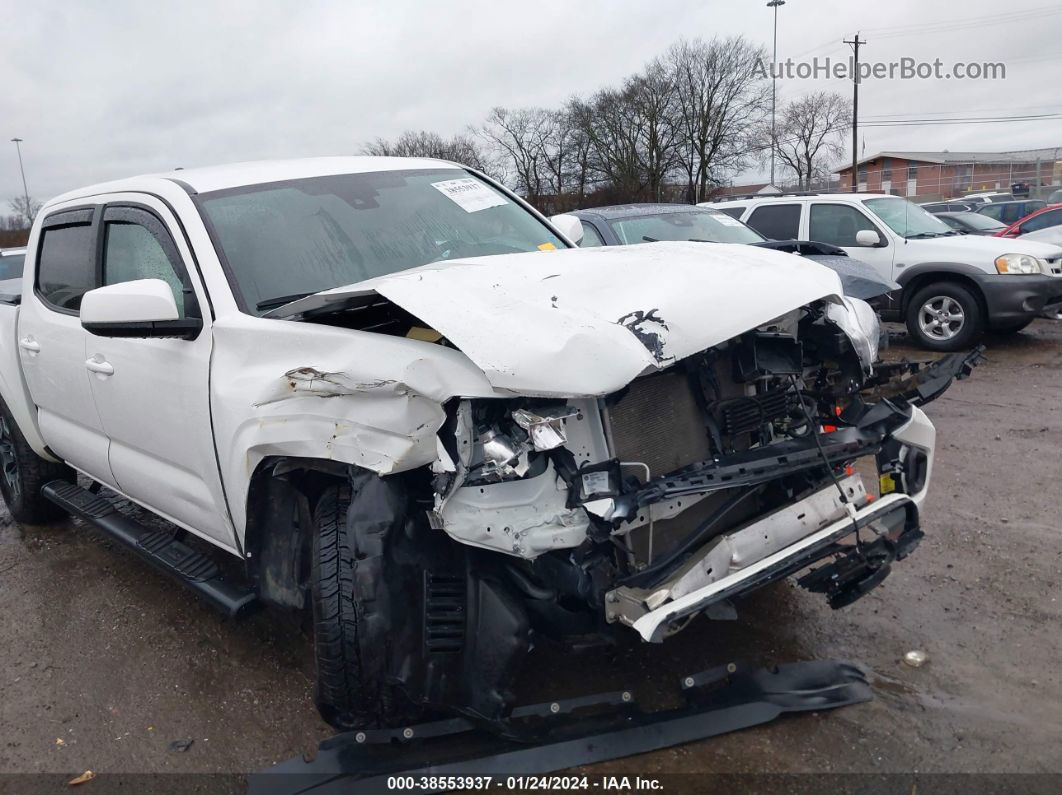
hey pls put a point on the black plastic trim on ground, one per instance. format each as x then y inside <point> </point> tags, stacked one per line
<point>552,737</point>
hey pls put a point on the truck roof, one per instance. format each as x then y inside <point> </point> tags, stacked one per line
<point>235,175</point>
<point>800,197</point>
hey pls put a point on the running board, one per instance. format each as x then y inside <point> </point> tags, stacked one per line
<point>539,739</point>
<point>189,567</point>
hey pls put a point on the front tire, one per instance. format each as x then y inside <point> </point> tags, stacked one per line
<point>356,609</point>
<point>23,473</point>
<point>945,316</point>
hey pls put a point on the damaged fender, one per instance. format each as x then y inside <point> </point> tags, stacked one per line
<point>311,391</point>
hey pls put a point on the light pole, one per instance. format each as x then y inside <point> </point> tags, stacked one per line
<point>774,79</point>
<point>25,190</point>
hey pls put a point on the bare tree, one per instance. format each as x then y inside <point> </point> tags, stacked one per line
<point>611,123</point>
<point>519,138</point>
<point>26,208</point>
<point>811,133</point>
<point>651,97</point>
<point>721,99</point>
<point>462,148</point>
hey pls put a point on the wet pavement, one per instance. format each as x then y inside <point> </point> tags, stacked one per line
<point>104,663</point>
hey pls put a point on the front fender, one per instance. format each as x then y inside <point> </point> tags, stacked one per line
<point>302,390</point>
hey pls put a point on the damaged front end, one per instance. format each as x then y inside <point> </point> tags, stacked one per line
<point>781,448</point>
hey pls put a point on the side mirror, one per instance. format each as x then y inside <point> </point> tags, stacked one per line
<point>141,308</point>
<point>868,238</point>
<point>569,226</point>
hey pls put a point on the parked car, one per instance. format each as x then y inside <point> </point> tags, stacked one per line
<point>954,286</point>
<point>1055,197</point>
<point>399,398</point>
<point>1044,218</point>
<point>1009,212</point>
<point>949,207</point>
<point>987,198</point>
<point>11,264</point>
<point>972,223</point>
<point>627,224</point>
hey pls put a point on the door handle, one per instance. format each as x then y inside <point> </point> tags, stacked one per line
<point>29,344</point>
<point>99,366</point>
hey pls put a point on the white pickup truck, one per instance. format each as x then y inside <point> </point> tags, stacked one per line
<point>399,398</point>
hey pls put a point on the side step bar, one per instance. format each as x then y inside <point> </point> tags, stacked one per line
<point>190,568</point>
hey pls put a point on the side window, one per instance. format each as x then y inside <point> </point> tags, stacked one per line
<point>66,267</point>
<point>992,211</point>
<point>1053,218</point>
<point>591,238</point>
<point>137,246</point>
<point>733,212</point>
<point>1012,213</point>
<point>777,221</point>
<point>837,224</point>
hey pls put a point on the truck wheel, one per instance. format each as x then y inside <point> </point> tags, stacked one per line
<point>945,316</point>
<point>356,602</point>
<point>24,473</point>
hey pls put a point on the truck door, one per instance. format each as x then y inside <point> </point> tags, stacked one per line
<point>51,341</point>
<point>153,394</point>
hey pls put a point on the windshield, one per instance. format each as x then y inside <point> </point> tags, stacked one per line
<point>907,219</point>
<point>284,240</point>
<point>704,226</point>
<point>11,266</point>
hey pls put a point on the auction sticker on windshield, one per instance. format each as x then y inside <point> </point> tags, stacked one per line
<point>470,195</point>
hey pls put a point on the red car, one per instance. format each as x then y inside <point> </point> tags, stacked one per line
<point>1051,215</point>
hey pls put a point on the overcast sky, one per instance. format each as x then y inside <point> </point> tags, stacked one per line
<point>106,90</point>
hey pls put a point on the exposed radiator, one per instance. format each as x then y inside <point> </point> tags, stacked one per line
<point>659,423</point>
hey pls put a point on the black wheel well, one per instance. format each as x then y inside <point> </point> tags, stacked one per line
<point>279,526</point>
<point>925,279</point>
<point>278,536</point>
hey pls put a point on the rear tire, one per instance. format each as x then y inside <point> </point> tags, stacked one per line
<point>23,473</point>
<point>945,316</point>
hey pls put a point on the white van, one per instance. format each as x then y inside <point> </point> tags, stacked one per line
<point>954,286</point>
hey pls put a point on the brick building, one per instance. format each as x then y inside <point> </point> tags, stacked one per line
<point>938,175</point>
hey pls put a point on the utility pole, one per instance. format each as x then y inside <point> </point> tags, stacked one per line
<point>25,190</point>
<point>774,79</point>
<point>855,111</point>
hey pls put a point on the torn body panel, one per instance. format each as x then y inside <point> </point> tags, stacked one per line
<point>309,391</point>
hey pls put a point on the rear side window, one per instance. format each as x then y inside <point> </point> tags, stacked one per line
<point>66,267</point>
<point>777,221</point>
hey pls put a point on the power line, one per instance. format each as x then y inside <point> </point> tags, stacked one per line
<point>971,22</point>
<point>1053,109</point>
<point>936,122</point>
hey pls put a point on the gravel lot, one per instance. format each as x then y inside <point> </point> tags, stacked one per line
<point>105,663</point>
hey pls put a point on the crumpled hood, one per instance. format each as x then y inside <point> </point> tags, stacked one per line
<point>583,322</point>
